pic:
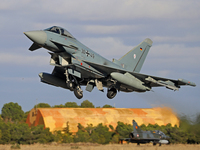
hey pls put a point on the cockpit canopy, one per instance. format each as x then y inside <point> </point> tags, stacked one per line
<point>159,132</point>
<point>60,31</point>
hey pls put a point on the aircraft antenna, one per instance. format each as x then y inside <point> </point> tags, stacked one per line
<point>36,107</point>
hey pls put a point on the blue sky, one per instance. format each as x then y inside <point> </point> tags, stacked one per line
<point>111,28</point>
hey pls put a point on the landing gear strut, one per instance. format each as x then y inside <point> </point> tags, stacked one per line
<point>70,85</point>
<point>111,93</point>
<point>73,85</point>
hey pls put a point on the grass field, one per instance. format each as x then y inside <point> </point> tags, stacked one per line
<point>102,147</point>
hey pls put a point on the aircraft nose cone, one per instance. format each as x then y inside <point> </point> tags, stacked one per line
<point>41,75</point>
<point>38,37</point>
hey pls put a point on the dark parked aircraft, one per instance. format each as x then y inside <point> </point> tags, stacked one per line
<point>76,65</point>
<point>138,136</point>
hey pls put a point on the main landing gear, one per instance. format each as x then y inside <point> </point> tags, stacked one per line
<point>76,88</point>
<point>78,92</point>
<point>111,93</point>
<point>73,85</point>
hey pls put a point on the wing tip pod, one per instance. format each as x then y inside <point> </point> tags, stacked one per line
<point>186,82</point>
<point>149,41</point>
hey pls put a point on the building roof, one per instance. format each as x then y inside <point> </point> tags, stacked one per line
<point>57,118</point>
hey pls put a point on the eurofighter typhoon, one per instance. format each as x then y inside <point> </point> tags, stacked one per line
<point>77,65</point>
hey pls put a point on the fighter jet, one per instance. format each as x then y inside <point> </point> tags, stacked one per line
<point>76,65</point>
<point>138,136</point>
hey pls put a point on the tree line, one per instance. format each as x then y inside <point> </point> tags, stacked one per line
<point>84,104</point>
<point>13,129</point>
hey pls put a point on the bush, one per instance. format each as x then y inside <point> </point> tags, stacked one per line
<point>123,129</point>
<point>16,146</point>
<point>12,112</point>
<point>87,104</point>
<point>66,138</point>
<point>81,136</point>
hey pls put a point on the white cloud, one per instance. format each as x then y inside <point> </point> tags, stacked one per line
<point>104,17</point>
<point>112,29</point>
<point>112,9</point>
<point>18,79</point>
<point>173,60</point>
<point>179,38</point>
<point>17,59</point>
<point>179,52</point>
<point>127,9</point>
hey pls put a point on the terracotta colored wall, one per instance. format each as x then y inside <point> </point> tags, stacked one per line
<point>56,118</point>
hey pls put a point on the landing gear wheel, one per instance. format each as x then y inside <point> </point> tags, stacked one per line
<point>154,144</point>
<point>78,92</point>
<point>111,93</point>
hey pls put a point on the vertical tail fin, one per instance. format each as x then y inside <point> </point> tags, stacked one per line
<point>136,128</point>
<point>135,58</point>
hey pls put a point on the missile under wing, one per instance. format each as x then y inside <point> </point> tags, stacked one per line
<point>76,65</point>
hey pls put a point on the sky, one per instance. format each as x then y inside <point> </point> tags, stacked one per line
<point>110,28</point>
